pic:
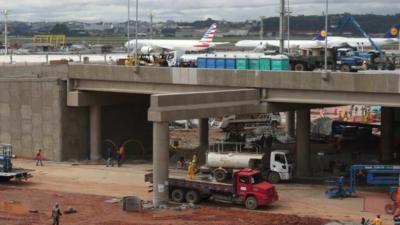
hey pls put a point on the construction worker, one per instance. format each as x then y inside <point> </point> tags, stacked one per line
<point>377,220</point>
<point>39,158</point>
<point>120,155</point>
<point>55,214</point>
<point>191,170</point>
<point>110,160</point>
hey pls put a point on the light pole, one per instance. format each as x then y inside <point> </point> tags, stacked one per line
<point>281,27</point>
<point>5,12</point>
<point>326,37</point>
<point>262,27</point>
<point>127,28</point>
<point>136,34</point>
<point>151,25</point>
<point>288,26</point>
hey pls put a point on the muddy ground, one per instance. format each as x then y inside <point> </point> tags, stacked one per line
<point>17,201</point>
<point>87,187</point>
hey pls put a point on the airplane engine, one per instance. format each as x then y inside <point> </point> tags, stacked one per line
<point>146,50</point>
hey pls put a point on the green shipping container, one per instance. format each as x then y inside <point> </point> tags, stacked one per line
<point>242,63</point>
<point>279,62</point>
<point>265,63</point>
<point>254,63</point>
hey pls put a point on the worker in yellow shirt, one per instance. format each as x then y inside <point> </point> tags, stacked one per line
<point>377,220</point>
<point>191,170</point>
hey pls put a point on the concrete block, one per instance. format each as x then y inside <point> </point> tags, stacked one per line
<point>26,126</point>
<point>26,143</point>
<point>4,92</point>
<point>5,137</point>
<point>26,112</point>
<point>5,109</point>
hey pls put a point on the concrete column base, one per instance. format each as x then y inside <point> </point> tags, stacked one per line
<point>303,143</point>
<point>387,116</point>
<point>95,132</point>
<point>290,126</point>
<point>203,139</point>
<point>160,163</point>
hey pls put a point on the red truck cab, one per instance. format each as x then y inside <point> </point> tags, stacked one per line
<point>250,188</point>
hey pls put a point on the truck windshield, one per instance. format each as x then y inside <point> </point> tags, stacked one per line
<point>256,178</point>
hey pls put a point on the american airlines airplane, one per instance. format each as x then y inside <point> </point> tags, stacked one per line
<point>319,41</point>
<point>147,46</point>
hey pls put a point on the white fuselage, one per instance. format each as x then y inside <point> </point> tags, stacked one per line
<point>337,41</point>
<point>301,44</point>
<point>175,45</point>
<point>333,41</point>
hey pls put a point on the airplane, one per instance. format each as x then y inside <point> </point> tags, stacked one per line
<point>391,36</point>
<point>319,41</point>
<point>146,46</point>
<point>262,44</point>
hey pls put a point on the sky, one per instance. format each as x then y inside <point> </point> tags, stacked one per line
<point>183,10</point>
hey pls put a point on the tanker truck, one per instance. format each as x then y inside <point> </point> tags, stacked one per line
<point>274,166</point>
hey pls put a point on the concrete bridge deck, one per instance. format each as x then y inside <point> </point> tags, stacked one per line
<point>280,86</point>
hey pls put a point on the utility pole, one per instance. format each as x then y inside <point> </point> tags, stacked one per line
<point>136,35</point>
<point>5,12</point>
<point>262,27</point>
<point>282,27</point>
<point>288,26</point>
<point>151,25</point>
<point>128,25</point>
<point>326,37</point>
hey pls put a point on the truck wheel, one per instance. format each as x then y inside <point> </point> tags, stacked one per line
<point>274,177</point>
<point>299,67</point>
<point>177,195</point>
<point>390,208</point>
<point>345,68</point>
<point>251,203</point>
<point>192,197</point>
<point>220,175</point>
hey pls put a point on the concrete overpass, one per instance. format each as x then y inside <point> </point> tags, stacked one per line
<point>187,93</point>
<point>64,107</point>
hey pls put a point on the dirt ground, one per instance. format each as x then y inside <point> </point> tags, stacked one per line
<point>87,187</point>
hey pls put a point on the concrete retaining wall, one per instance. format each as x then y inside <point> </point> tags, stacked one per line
<point>33,113</point>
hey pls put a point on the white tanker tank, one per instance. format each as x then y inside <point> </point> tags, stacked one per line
<point>231,159</point>
<point>275,167</point>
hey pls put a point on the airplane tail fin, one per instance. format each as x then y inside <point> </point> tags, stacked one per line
<point>393,32</point>
<point>210,34</point>
<point>320,36</point>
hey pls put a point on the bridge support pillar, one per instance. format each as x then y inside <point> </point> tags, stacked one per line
<point>95,132</point>
<point>387,115</point>
<point>303,143</point>
<point>290,123</point>
<point>160,163</point>
<point>203,139</point>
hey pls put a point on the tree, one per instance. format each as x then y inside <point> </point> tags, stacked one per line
<point>60,29</point>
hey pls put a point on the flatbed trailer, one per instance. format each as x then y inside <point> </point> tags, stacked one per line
<point>15,173</point>
<point>246,188</point>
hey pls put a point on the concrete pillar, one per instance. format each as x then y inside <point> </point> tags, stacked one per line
<point>203,140</point>
<point>290,123</point>
<point>303,143</point>
<point>160,163</point>
<point>387,115</point>
<point>203,132</point>
<point>95,132</point>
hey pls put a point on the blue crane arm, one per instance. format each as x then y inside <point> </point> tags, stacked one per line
<point>347,19</point>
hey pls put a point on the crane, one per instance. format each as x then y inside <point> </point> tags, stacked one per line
<point>350,19</point>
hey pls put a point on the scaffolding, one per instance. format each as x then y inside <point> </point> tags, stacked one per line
<point>52,40</point>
